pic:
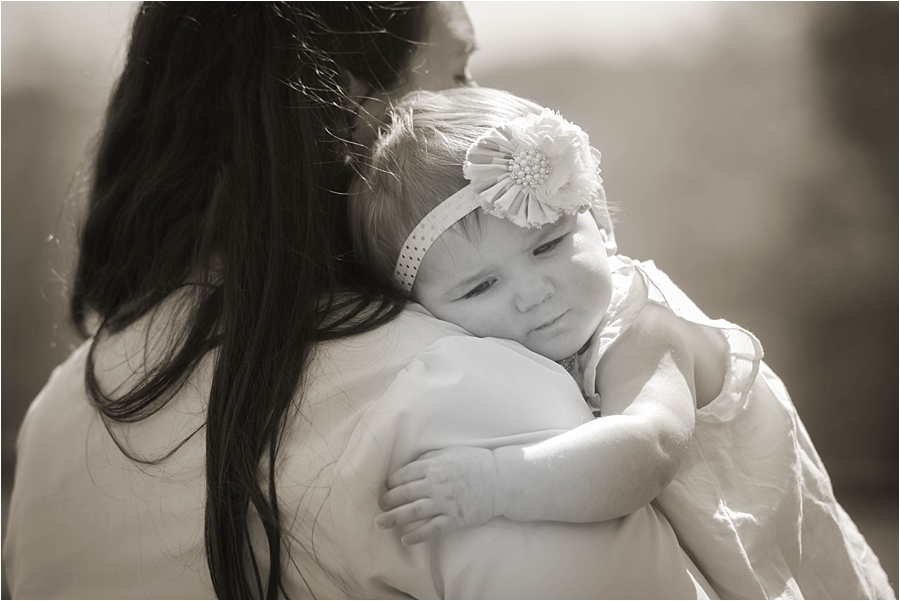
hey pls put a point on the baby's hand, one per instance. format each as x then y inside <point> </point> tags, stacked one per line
<point>448,489</point>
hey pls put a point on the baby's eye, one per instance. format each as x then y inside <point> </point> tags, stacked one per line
<point>479,289</point>
<point>548,246</point>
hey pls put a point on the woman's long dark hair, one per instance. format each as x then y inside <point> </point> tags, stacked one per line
<point>220,172</point>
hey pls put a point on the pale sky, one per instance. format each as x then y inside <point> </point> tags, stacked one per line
<point>611,32</point>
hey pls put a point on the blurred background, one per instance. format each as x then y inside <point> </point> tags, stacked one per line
<point>751,150</point>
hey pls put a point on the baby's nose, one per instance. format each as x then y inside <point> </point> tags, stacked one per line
<point>534,291</point>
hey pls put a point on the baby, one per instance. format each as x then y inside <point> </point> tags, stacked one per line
<point>489,211</point>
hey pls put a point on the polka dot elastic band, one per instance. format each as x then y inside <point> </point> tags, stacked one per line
<point>428,230</point>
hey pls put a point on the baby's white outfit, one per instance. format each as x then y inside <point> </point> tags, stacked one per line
<point>753,504</point>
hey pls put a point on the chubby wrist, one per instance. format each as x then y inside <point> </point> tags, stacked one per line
<point>508,462</point>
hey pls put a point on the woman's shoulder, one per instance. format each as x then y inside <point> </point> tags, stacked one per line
<point>418,352</point>
<point>354,362</point>
<point>430,384</point>
<point>377,401</point>
<point>54,403</point>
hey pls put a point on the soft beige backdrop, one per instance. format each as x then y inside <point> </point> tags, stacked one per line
<point>751,150</point>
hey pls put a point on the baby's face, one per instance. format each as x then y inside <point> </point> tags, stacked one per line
<point>546,288</point>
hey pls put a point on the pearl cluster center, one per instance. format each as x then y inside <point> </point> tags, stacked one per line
<point>529,168</point>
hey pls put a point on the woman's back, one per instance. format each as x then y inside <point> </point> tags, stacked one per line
<point>86,521</point>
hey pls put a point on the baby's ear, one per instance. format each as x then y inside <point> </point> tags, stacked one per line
<point>600,211</point>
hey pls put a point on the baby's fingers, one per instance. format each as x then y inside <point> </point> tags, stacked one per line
<point>442,524</point>
<point>408,473</point>
<point>407,514</point>
<point>403,494</point>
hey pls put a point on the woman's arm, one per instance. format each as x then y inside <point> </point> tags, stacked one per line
<point>604,469</point>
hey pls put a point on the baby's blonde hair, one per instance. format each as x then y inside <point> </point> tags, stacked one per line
<point>417,164</point>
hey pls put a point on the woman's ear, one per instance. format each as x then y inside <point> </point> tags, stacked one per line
<point>370,106</point>
<point>356,88</point>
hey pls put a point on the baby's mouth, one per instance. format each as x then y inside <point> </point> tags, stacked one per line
<point>548,324</point>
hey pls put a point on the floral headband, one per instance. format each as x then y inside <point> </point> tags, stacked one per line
<point>530,171</point>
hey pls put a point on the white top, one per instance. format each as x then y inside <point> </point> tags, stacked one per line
<point>752,504</point>
<point>86,522</point>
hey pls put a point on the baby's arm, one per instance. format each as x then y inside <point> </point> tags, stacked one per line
<point>604,469</point>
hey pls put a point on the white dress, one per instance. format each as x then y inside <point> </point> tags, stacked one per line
<point>752,504</point>
<point>86,522</point>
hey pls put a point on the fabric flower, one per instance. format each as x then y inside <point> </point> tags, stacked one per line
<point>533,169</point>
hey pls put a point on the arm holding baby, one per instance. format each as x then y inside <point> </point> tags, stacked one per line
<point>604,469</point>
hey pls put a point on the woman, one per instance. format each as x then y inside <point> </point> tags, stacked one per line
<point>245,389</point>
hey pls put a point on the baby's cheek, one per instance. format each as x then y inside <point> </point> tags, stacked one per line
<point>589,267</point>
<point>484,327</point>
<point>488,322</point>
<point>592,279</point>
